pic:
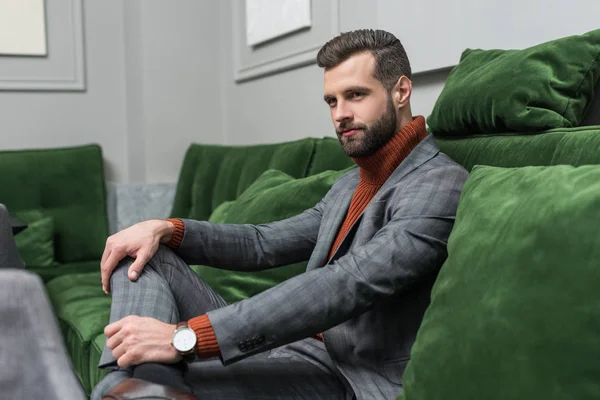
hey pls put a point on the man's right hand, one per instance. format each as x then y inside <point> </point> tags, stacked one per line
<point>139,241</point>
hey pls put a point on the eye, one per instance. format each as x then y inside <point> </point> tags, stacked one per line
<point>356,95</point>
<point>331,102</point>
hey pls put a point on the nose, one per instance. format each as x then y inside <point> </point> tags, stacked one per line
<point>341,112</point>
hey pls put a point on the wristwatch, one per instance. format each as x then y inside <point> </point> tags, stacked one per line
<point>184,341</point>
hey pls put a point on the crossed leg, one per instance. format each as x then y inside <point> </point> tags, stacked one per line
<point>170,291</point>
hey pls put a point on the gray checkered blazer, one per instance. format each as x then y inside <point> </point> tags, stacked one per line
<point>369,298</point>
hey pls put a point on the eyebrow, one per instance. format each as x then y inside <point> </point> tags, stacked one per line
<point>349,90</point>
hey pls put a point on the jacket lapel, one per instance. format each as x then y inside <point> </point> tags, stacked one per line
<point>424,152</point>
<point>332,220</point>
<point>337,208</point>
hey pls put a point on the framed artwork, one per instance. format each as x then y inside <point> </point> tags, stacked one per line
<point>23,28</point>
<point>272,36</point>
<point>270,19</point>
<point>42,45</point>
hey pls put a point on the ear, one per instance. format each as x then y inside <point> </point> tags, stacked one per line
<point>401,92</point>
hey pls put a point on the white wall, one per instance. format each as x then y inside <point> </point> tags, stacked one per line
<point>452,26</point>
<point>152,88</point>
<point>50,119</point>
<point>160,75</point>
<point>180,82</point>
<point>289,105</point>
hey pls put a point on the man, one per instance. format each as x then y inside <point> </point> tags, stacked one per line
<point>374,243</point>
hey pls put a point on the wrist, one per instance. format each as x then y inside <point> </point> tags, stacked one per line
<point>165,231</point>
<point>184,341</point>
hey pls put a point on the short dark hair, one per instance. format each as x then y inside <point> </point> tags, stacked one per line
<point>391,61</point>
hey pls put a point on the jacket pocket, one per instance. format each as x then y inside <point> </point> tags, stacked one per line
<point>394,369</point>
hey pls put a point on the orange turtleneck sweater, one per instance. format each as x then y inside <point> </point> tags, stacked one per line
<point>374,171</point>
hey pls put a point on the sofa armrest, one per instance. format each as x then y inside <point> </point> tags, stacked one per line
<point>32,343</point>
<point>130,203</point>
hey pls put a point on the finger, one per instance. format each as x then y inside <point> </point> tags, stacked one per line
<point>105,253</point>
<point>119,351</point>
<point>103,267</point>
<point>135,269</point>
<point>126,360</point>
<point>114,341</point>
<point>113,328</point>
<point>108,268</point>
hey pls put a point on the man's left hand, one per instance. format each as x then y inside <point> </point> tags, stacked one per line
<point>136,340</point>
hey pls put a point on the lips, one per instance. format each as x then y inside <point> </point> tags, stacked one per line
<point>350,132</point>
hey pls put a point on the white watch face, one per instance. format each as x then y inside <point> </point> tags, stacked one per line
<point>184,340</point>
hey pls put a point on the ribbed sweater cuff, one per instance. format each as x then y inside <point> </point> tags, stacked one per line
<point>206,345</point>
<point>177,237</point>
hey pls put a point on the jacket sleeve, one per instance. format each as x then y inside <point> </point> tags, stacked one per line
<point>251,247</point>
<point>409,247</point>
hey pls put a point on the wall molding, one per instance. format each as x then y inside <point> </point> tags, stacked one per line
<point>74,80</point>
<point>298,57</point>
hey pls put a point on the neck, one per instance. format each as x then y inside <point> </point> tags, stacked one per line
<point>377,167</point>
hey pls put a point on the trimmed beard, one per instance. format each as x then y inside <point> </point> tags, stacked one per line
<point>374,137</point>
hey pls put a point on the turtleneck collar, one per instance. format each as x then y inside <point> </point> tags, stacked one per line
<point>376,168</point>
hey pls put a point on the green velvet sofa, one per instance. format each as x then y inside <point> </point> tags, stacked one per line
<point>68,184</point>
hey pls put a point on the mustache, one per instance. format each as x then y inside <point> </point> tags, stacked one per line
<point>348,127</point>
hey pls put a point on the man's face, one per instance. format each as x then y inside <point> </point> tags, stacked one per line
<point>362,111</point>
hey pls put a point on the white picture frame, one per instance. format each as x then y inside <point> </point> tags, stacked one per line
<point>23,28</point>
<point>269,19</point>
<point>295,50</point>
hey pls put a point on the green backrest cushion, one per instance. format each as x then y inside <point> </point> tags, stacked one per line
<point>515,311</point>
<point>67,184</point>
<point>212,174</point>
<point>542,87</point>
<point>36,243</point>
<point>574,146</point>
<point>273,196</point>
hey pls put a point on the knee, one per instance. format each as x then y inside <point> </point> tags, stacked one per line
<point>164,255</point>
<point>119,274</point>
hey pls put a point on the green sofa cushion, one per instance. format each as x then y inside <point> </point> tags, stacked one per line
<point>47,274</point>
<point>274,196</point>
<point>221,212</point>
<point>574,146</point>
<point>515,311</point>
<point>213,174</point>
<point>328,155</point>
<point>67,184</point>
<point>83,311</point>
<point>36,243</point>
<point>542,87</point>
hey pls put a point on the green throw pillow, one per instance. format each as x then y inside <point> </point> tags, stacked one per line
<point>219,215</point>
<point>36,243</point>
<point>515,310</point>
<point>273,196</point>
<point>546,86</point>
